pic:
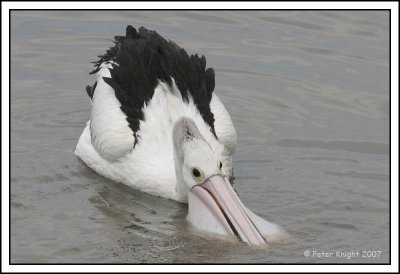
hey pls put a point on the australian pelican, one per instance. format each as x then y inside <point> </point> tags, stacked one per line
<point>157,125</point>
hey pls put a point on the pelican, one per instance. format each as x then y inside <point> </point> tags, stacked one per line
<point>157,125</point>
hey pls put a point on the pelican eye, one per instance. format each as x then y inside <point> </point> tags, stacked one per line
<point>220,164</point>
<point>197,174</point>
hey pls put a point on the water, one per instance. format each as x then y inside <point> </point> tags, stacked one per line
<point>308,93</point>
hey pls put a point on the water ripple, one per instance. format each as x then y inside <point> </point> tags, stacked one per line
<point>354,174</point>
<point>350,146</point>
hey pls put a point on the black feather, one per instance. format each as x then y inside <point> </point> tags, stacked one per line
<point>90,90</point>
<point>143,57</point>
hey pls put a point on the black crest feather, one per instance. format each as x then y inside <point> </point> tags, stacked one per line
<point>142,58</point>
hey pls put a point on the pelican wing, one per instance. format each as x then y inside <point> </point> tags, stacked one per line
<point>110,133</point>
<point>223,125</point>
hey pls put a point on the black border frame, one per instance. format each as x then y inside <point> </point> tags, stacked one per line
<point>311,264</point>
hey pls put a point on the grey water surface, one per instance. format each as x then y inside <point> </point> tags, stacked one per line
<point>308,92</point>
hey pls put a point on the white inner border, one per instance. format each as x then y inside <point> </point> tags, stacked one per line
<point>393,6</point>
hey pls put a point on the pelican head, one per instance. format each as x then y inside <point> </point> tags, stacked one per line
<point>213,203</point>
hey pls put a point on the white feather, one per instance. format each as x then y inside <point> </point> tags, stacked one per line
<point>110,133</point>
<point>223,124</point>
